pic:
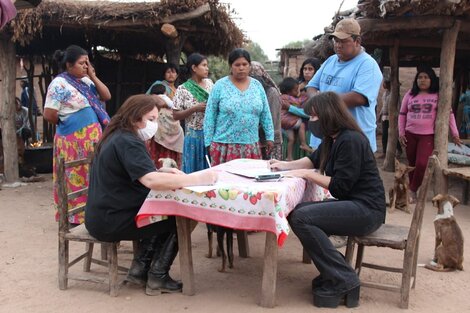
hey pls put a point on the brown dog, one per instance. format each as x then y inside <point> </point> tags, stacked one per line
<point>221,232</point>
<point>399,194</point>
<point>448,254</point>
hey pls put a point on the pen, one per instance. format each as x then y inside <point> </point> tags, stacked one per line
<point>208,162</point>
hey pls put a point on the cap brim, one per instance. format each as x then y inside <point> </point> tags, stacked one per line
<point>340,35</point>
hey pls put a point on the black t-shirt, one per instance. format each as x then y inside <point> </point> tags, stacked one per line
<point>353,170</point>
<point>115,194</point>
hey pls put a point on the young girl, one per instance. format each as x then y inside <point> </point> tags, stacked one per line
<point>416,124</point>
<point>289,89</point>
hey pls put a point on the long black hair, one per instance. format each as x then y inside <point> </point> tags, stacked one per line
<point>432,75</point>
<point>238,53</point>
<point>316,63</point>
<point>70,55</point>
<point>194,59</point>
<point>333,116</point>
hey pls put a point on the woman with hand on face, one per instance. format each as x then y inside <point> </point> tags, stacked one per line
<point>74,103</point>
<point>416,124</point>
<point>121,177</point>
<point>236,106</point>
<point>190,104</point>
<point>347,168</point>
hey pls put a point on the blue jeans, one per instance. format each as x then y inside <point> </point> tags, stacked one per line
<point>313,222</point>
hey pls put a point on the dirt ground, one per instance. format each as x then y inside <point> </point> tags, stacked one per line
<point>28,269</point>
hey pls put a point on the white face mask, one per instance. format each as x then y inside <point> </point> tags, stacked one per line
<point>148,131</point>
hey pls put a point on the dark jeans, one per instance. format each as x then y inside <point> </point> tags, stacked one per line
<point>385,125</point>
<point>313,222</point>
<point>131,232</point>
<point>418,150</point>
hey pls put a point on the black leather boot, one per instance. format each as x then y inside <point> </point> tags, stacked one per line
<point>141,263</point>
<point>158,278</point>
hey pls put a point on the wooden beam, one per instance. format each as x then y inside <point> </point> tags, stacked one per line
<point>410,23</point>
<point>446,75</point>
<point>8,107</point>
<point>203,9</point>
<point>411,43</point>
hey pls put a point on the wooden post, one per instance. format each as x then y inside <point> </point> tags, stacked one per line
<point>118,96</point>
<point>389,162</point>
<point>8,107</point>
<point>449,40</point>
<point>173,48</point>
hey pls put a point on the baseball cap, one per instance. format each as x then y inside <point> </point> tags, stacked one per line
<point>346,28</point>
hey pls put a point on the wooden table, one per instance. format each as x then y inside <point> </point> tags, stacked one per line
<point>238,203</point>
<point>463,173</point>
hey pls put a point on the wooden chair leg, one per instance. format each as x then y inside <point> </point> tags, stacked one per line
<point>113,270</point>
<point>360,255</point>
<point>89,251</point>
<point>415,264</point>
<point>349,250</point>
<point>243,246</point>
<point>63,262</point>
<point>104,252</point>
<point>305,257</point>
<point>406,279</point>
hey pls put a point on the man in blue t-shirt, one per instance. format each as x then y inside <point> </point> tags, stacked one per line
<point>353,74</point>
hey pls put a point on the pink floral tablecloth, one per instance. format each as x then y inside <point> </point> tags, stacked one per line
<point>235,201</point>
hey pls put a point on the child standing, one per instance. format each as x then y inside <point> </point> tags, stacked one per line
<point>289,89</point>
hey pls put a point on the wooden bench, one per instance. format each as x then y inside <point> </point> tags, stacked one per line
<point>463,173</point>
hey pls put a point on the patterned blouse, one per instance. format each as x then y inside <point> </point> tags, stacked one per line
<point>63,97</point>
<point>233,116</point>
<point>184,100</point>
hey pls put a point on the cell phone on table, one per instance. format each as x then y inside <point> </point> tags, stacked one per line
<point>268,177</point>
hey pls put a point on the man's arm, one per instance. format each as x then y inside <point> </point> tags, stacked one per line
<point>353,99</point>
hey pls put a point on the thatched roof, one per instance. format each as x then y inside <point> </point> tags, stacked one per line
<point>417,24</point>
<point>129,28</point>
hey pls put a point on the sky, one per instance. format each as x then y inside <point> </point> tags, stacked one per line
<point>273,24</point>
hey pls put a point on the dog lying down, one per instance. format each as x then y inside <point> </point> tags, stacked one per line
<point>448,253</point>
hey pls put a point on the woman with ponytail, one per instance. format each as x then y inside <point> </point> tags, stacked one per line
<point>74,102</point>
<point>189,105</point>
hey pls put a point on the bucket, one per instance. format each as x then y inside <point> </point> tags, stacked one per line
<point>40,158</point>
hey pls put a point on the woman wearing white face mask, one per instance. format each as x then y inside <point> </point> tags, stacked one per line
<point>348,169</point>
<point>121,176</point>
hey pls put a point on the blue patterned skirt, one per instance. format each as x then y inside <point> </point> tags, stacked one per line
<point>194,151</point>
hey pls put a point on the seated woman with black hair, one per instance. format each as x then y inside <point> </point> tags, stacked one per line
<point>347,168</point>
